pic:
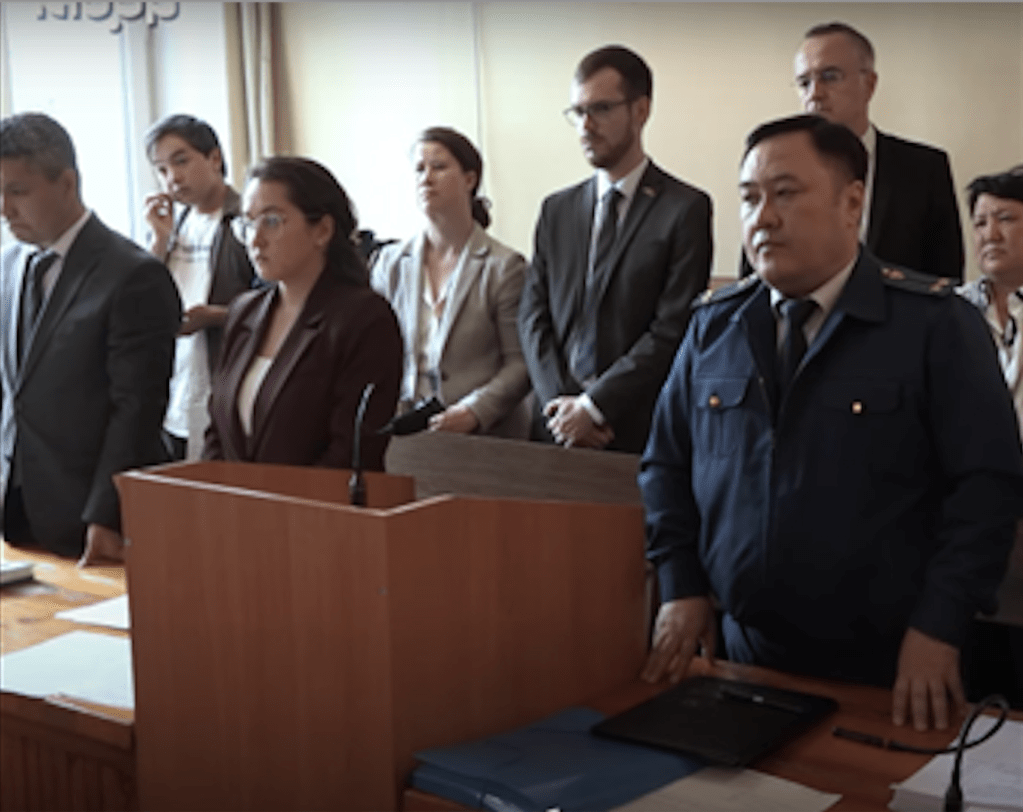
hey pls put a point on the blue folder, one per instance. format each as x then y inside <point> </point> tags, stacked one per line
<point>555,762</point>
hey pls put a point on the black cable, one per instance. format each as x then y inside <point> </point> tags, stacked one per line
<point>954,793</point>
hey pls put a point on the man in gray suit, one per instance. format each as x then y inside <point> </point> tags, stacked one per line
<point>86,348</point>
<point>617,260</point>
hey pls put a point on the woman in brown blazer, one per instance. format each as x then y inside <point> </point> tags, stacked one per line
<point>297,356</point>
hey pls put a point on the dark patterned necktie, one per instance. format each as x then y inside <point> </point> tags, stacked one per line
<point>795,313</point>
<point>33,295</point>
<point>585,356</point>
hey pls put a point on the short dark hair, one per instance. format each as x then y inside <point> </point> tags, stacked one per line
<point>1007,185</point>
<point>861,42</point>
<point>637,81</point>
<point>199,135</point>
<point>39,140</point>
<point>835,143</point>
<point>468,157</point>
<point>315,191</point>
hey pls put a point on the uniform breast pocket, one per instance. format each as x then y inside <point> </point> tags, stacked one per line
<point>718,414</point>
<point>861,398</point>
<point>866,422</point>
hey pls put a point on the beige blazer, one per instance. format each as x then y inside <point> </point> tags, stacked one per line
<point>481,364</point>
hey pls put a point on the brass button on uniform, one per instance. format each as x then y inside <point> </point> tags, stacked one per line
<point>857,407</point>
<point>713,401</point>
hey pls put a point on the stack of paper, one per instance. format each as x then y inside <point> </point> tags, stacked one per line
<point>85,665</point>
<point>991,776</point>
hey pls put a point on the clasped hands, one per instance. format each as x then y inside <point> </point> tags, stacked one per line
<point>927,688</point>
<point>573,426</point>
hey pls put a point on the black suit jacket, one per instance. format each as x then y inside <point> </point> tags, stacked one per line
<point>914,217</point>
<point>304,413</point>
<point>90,398</point>
<point>660,261</point>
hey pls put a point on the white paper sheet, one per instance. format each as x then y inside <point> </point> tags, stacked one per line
<point>86,665</point>
<point>112,613</point>
<point>991,774</point>
<point>722,789</point>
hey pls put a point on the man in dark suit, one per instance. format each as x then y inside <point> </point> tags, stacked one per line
<point>617,261</point>
<point>89,321</point>
<point>911,217</point>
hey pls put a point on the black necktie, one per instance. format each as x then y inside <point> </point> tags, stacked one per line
<point>793,344</point>
<point>33,295</point>
<point>585,356</point>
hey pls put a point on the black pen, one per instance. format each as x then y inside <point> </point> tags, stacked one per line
<point>760,699</point>
<point>857,736</point>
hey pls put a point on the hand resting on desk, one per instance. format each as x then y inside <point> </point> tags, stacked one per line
<point>927,686</point>
<point>683,626</point>
<point>927,677</point>
<point>102,545</point>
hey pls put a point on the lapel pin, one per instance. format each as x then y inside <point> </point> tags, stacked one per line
<point>649,191</point>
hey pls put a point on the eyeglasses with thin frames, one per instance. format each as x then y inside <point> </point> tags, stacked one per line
<point>826,77</point>
<point>598,111</point>
<point>245,229</point>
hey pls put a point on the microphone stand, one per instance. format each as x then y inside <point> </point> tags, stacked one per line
<point>357,483</point>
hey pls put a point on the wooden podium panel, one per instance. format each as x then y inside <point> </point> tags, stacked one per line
<point>293,654</point>
<point>505,611</point>
<point>301,482</point>
<point>259,627</point>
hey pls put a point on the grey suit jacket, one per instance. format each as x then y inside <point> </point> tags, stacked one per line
<point>660,261</point>
<point>90,397</point>
<point>481,364</point>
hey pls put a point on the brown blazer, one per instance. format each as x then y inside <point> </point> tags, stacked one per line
<point>304,414</point>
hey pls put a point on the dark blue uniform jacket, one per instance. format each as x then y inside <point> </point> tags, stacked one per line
<point>881,495</point>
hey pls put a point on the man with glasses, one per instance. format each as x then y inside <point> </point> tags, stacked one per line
<point>190,221</point>
<point>910,216</point>
<point>618,258</point>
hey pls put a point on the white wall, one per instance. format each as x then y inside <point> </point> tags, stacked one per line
<point>364,78</point>
<point>106,88</point>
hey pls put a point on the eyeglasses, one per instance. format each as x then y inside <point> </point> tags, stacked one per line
<point>597,111</point>
<point>828,76</point>
<point>245,229</point>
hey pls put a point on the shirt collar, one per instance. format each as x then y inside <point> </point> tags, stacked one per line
<point>826,295</point>
<point>869,140</point>
<point>63,243</point>
<point>627,184</point>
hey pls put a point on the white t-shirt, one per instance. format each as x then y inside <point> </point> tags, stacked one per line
<point>189,264</point>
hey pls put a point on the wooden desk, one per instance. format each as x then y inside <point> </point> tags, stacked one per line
<point>57,752</point>
<point>862,775</point>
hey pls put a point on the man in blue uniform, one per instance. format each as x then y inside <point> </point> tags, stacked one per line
<point>834,455</point>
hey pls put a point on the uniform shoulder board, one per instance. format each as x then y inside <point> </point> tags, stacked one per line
<point>710,296</point>
<point>917,282</point>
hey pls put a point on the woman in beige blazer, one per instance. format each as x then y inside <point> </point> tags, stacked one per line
<point>456,293</point>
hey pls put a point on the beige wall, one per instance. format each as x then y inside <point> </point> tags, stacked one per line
<point>363,78</point>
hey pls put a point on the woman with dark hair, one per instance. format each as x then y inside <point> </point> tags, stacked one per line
<point>996,209</point>
<point>456,292</point>
<point>297,355</point>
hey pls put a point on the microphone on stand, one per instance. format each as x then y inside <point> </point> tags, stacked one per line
<point>416,419</point>
<point>357,483</point>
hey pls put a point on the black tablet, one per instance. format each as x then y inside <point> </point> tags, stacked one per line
<point>723,721</point>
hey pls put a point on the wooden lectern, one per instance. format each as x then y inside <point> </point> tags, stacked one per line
<point>293,652</point>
